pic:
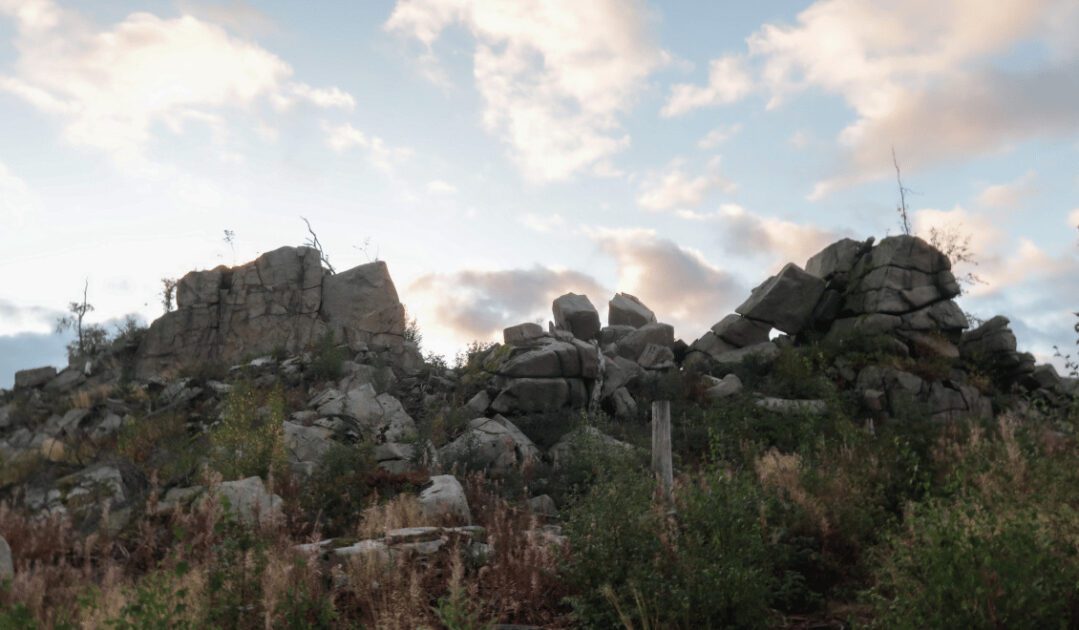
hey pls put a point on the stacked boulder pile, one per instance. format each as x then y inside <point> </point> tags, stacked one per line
<point>577,363</point>
<point>898,293</point>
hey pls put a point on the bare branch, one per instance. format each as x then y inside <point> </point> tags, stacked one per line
<point>902,209</point>
<point>312,241</point>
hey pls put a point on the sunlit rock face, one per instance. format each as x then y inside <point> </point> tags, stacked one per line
<point>283,300</point>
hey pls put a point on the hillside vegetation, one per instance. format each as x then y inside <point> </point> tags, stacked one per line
<point>848,450</point>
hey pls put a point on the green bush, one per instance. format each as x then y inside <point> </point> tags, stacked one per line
<point>706,565</point>
<point>250,438</point>
<point>339,488</point>
<point>327,360</point>
<point>964,566</point>
<point>158,604</point>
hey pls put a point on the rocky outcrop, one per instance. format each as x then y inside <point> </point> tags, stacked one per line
<point>994,346</point>
<point>282,301</point>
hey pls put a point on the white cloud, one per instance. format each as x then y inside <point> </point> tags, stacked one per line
<point>799,139</point>
<point>728,81</point>
<point>477,304</point>
<point>554,76</point>
<point>440,187</point>
<point>674,188</point>
<point>543,223</point>
<point>331,97</point>
<point>922,76</point>
<point>1008,264</point>
<point>112,87</point>
<point>16,199</point>
<point>678,283</point>
<point>1073,218</point>
<point>343,137</point>
<point>748,234</point>
<point>1009,196</point>
<point>718,136</point>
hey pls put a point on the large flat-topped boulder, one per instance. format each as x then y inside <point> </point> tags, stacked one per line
<point>626,310</point>
<point>282,300</point>
<point>576,314</point>
<point>785,301</point>
<point>36,377</point>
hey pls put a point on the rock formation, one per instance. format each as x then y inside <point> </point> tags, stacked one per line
<point>283,301</point>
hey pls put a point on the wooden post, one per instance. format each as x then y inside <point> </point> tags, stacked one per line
<point>662,464</point>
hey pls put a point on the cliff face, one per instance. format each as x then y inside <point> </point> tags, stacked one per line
<point>284,300</point>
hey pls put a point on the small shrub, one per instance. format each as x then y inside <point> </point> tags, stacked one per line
<point>250,438</point>
<point>159,602</point>
<point>339,487</point>
<point>327,360</point>
<point>705,565</point>
<point>963,566</point>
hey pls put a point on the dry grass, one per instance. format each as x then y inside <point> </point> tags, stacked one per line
<point>401,511</point>
<point>87,397</point>
<point>64,578</point>
<point>783,472</point>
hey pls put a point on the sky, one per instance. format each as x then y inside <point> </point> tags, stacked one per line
<point>499,153</point>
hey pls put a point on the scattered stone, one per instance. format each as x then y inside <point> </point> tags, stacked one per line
<point>177,498</point>
<point>380,416</point>
<point>930,345</point>
<point>543,505</point>
<point>478,404</point>
<point>624,405</point>
<point>108,426</point>
<point>729,385</point>
<point>445,498</point>
<point>632,345</point>
<point>306,446</point>
<point>788,407</point>
<point>553,359</point>
<point>36,377</point>
<point>249,501</point>
<point>766,352</point>
<point>740,332</point>
<point>626,310</point>
<point>585,441</point>
<point>528,395</point>
<point>656,357</point>
<point>838,258</point>
<point>522,334</point>
<point>611,335</point>
<point>618,372</point>
<point>493,444</point>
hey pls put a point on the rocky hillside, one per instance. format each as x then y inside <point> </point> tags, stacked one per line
<point>282,399</point>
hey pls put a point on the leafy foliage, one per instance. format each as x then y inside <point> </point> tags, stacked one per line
<point>250,438</point>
